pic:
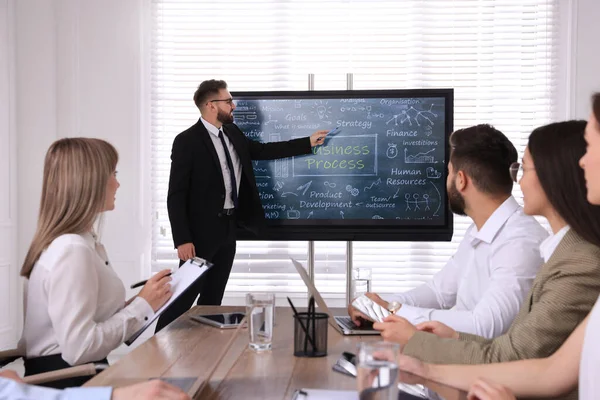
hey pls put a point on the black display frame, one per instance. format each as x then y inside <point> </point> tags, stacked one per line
<point>376,230</point>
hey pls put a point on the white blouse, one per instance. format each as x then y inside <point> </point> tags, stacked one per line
<point>75,303</point>
<point>589,367</point>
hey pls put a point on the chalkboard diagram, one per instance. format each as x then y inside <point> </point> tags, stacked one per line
<point>419,158</point>
<point>411,115</point>
<point>387,162</point>
<point>323,111</point>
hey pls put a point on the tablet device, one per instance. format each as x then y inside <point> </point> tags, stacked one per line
<point>222,320</point>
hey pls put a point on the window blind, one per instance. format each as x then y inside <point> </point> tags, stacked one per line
<point>500,56</point>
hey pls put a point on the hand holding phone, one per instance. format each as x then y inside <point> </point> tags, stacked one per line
<point>370,309</point>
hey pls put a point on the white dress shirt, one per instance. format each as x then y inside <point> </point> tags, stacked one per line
<point>75,303</point>
<point>235,160</point>
<point>589,366</point>
<point>481,288</point>
<point>11,390</point>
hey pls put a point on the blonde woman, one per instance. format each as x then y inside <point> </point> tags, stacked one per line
<point>75,308</point>
<point>575,364</point>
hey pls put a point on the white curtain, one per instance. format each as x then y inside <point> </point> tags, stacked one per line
<point>499,56</point>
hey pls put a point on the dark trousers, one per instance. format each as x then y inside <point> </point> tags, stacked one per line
<point>38,365</point>
<point>211,286</point>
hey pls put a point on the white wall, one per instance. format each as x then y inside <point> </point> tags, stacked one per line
<point>80,70</point>
<point>9,288</point>
<point>79,75</point>
<point>78,66</point>
<point>585,77</point>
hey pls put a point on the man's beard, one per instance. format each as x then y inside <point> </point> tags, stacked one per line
<point>456,200</point>
<point>225,117</point>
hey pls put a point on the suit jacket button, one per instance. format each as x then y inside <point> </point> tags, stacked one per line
<point>222,196</point>
<point>219,215</point>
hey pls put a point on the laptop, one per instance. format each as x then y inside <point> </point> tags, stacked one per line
<point>343,325</point>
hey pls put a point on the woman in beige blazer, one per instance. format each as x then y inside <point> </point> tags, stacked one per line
<point>577,360</point>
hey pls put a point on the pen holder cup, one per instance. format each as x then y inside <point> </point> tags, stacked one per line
<point>317,331</point>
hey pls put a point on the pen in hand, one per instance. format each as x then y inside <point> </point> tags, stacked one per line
<point>142,283</point>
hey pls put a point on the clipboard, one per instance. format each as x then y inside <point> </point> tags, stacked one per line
<point>183,278</point>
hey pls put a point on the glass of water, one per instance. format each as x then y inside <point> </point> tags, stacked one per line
<point>259,311</point>
<point>361,281</point>
<point>377,372</point>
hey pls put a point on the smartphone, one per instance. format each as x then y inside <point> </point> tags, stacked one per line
<point>350,357</point>
<point>222,321</point>
<point>372,311</point>
<point>346,364</point>
<point>365,317</point>
<point>334,131</point>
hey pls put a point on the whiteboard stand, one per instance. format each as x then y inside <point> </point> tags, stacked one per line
<point>348,272</point>
<point>311,243</point>
<point>349,86</point>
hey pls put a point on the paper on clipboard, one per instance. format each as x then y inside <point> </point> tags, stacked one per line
<point>182,279</point>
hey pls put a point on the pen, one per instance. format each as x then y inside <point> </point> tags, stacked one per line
<point>142,283</point>
<point>332,132</point>
<point>301,324</point>
<point>299,393</point>
<point>335,131</point>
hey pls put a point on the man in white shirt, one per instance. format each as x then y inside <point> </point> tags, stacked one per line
<point>481,288</point>
<point>12,388</point>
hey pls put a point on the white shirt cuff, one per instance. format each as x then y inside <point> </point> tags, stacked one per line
<point>140,308</point>
<point>415,315</point>
<point>394,297</point>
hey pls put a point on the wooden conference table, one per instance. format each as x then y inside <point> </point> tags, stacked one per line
<point>188,349</point>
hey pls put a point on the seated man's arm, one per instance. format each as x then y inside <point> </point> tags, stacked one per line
<point>439,293</point>
<point>513,266</point>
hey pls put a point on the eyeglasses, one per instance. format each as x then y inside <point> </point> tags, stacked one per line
<point>229,101</point>
<point>517,170</point>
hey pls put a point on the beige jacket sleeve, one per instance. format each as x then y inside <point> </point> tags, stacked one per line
<point>562,295</point>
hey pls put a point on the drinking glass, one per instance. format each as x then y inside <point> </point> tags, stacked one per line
<point>377,371</point>
<point>259,310</point>
<point>361,281</point>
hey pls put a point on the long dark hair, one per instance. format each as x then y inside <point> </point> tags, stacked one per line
<point>556,150</point>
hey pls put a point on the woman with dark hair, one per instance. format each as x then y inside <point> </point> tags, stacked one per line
<point>555,188</point>
<point>578,359</point>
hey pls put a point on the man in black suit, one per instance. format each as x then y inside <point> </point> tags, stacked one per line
<point>212,189</point>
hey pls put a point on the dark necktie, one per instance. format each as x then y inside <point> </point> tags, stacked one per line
<point>234,195</point>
